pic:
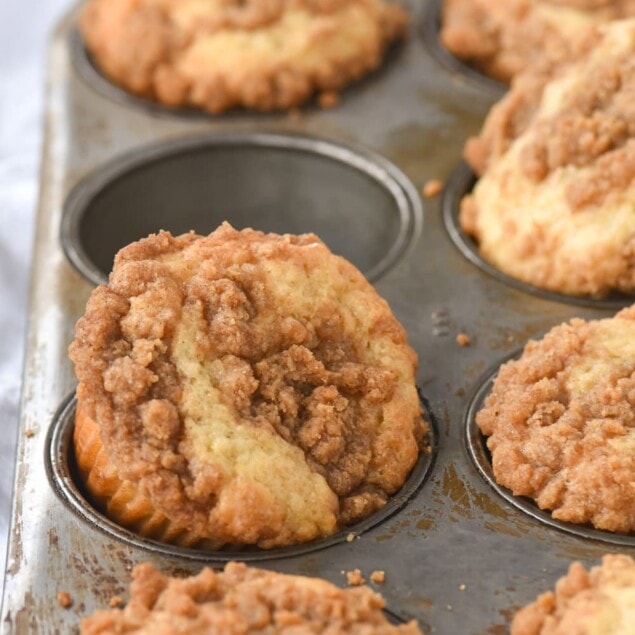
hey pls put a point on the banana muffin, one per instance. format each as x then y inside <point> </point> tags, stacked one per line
<point>555,202</point>
<point>502,38</point>
<point>561,422</point>
<point>221,54</point>
<point>598,602</point>
<point>242,388</point>
<point>243,600</point>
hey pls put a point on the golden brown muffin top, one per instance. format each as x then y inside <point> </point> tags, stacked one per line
<point>222,54</point>
<point>255,386</point>
<point>243,601</point>
<point>561,422</point>
<point>598,602</point>
<point>502,39</point>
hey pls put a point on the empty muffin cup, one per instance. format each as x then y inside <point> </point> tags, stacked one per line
<point>477,448</point>
<point>359,204</point>
<point>459,184</point>
<point>431,30</point>
<point>63,474</point>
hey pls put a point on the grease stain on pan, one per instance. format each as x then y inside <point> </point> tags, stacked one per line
<point>427,524</point>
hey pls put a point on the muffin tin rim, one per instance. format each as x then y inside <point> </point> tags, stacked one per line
<point>58,449</point>
<point>476,446</point>
<point>386,174</point>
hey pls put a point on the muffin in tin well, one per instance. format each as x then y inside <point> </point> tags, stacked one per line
<point>251,388</point>
<point>241,600</point>
<point>560,422</point>
<point>221,54</point>
<point>555,202</point>
<point>502,39</point>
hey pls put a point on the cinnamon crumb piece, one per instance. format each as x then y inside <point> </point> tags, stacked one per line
<point>29,433</point>
<point>463,339</point>
<point>432,188</point>
<point>378,577</point>
<point>351,536</point>
<point>462,587</point>
<point>115,601</point>
<point>355,578</point>
<point>328,99</point>
<point>64,599</point>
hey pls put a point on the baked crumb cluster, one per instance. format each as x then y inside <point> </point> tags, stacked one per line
<point>600,601</point>
<point>561,422</point>
<point>503,38</point>
<point>222,54</point>
<point>556,157</point>
<point>254,387</point>
<point>242,600</point>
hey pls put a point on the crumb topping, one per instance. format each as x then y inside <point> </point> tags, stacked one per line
<point>254,386</point>
<point>561,422</point>
<point>240,601</point>
<point>601,600</point>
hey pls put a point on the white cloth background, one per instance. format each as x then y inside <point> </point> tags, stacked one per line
<point>24,35</point>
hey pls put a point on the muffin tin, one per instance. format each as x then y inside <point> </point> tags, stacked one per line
<point>460,553</point>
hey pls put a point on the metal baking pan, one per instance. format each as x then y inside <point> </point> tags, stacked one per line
<point>460,554</point>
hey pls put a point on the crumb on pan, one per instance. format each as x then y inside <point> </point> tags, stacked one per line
<point>355,578</point>
<point>597,601</point>
<point>463,339</point>
<point>561,422</point>
<point>502,38</point>
<point>115,601</point>
<point>64,599</point>
<point>243,600</point>
<point>29,433</point>
<point>351,536</point>
<point>556,159</point>
<point>378,577</point>
<point>328,99</point>
<point>432,188</point>
<point>255,54</point>
<point>253,387</point>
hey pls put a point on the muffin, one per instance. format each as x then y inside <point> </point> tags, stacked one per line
<point>501,39</point>
<point>598,602</point>
<point>554,205</point>
<point>249,388</point>
<point>242,600</point>
<point>561,422</point>
<point>221,54</point>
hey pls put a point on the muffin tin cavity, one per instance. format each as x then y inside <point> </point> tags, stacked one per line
<point>359,204</point>
<point>460,183</point>
<point>480,455</point>
<point>431,29</point>
<point>62,473</point>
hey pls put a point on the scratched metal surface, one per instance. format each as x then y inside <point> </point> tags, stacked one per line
<point>458,557</point>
